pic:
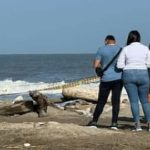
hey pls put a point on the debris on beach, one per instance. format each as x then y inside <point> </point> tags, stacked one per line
<point>27,145</point>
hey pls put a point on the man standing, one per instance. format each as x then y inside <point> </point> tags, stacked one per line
<point>110,81</point>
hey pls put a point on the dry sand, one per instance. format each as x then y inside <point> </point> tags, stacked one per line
<point>65,130</point>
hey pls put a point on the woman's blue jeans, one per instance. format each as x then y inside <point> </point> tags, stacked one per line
<point>136,82</point>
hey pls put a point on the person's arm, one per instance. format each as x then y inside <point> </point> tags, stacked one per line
<point>148,59</point>
<point>121,60</point>
<point>97,59</point>
<point>96,63</point>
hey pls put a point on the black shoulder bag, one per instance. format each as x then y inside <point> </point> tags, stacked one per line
<point>100,72</point>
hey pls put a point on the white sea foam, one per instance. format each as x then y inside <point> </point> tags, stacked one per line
<point>12,87</point>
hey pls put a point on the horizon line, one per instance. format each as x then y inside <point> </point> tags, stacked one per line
<point>45,53</point>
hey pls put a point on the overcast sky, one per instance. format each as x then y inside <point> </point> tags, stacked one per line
<point>69,26</point>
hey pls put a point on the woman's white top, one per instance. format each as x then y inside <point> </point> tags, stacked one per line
<point>134,56</point>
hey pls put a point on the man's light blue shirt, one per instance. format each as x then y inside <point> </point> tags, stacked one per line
<point>105,55</point>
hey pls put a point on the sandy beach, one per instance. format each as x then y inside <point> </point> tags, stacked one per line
<point>55,47</point>
<point>67,130</point>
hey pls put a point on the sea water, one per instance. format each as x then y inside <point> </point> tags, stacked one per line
<point>21,73</point>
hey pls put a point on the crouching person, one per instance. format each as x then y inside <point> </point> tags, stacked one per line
<point>42,103</point>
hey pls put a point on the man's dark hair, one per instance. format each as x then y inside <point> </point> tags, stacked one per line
<point>110,37</point>
<point>134,36</point>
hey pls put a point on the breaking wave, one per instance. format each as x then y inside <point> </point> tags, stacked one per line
<point>8,87</point>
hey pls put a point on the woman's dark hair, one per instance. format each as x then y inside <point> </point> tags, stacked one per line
<point>133,36</point>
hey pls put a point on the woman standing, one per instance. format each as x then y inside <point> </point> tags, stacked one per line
<point>134,60</point>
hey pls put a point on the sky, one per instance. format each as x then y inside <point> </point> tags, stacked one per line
<point>69,26</point>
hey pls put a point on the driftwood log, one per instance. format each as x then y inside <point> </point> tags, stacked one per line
<point>16,108</point>
<point>79,92</point>
<point>22,107</point>
<point>89,94</point>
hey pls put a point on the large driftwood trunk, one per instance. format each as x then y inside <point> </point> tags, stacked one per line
<point>80,93</point>
<point>17,108</point>
<point>90,94</point>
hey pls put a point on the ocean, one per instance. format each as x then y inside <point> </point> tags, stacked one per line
<point>23,72</point>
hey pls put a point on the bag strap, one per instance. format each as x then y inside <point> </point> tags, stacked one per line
<point>106,67</point>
